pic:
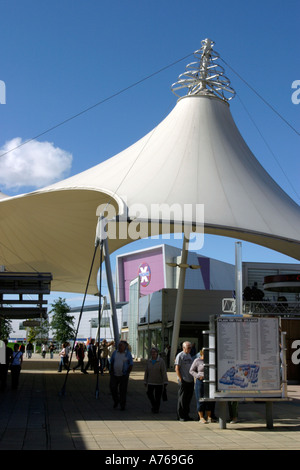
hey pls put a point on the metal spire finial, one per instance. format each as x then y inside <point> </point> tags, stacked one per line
<point>206,76</point>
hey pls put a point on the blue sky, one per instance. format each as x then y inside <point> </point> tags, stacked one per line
<point>60,58</point>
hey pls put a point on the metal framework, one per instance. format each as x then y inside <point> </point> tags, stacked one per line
<point>280,308</point>
<point>205,76</point>
<point>21,284</point>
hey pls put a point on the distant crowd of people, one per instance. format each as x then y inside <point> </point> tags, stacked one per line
<point>98,356</point>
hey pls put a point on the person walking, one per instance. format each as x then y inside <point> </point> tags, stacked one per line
<point>92,357</point>
<point>68,349</point>
<point>104,351</point>
<point>120,367</point>
<point>44,350</point>
<point>51,350</point>
<point>63,358</point>
<point>16,363</point>
<point>80,359</point>
<point>29,349</point>
<point>183,362</point>
<point>155,379</point>
<point>203,408</point>
<point>168,354</point>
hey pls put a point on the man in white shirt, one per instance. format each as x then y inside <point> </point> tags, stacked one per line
<point>183,364</point>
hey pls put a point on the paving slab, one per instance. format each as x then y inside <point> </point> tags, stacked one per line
<point>63,411</point>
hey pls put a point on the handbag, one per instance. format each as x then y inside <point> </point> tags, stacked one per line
<point>164,394</point>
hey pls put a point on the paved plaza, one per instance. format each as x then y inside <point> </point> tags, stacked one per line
<point>38,416</point>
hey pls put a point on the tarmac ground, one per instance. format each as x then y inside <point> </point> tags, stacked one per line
<point>74,411</point>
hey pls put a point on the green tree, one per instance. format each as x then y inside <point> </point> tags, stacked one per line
<point>5,328</point>
<point>62,324</point>
<point>40,334</point>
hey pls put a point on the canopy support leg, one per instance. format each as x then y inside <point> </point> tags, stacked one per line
<point>179,300</point>
<point>101,235</point>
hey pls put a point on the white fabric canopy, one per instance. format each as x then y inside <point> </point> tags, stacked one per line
<point>196,155</point>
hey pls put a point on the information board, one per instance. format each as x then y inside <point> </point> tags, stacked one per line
<point>248,356</point>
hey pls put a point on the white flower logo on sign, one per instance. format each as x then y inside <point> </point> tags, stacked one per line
<point>144,274</point>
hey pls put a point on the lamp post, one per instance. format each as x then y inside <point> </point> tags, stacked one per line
<point>183,266</point>
<point>238,279</point>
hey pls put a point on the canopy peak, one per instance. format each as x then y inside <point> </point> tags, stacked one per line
<point>205,76</point>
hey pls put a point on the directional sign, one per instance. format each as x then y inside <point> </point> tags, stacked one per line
<point>31,323</point>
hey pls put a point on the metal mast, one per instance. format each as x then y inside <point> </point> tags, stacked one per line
<point>205,76</point>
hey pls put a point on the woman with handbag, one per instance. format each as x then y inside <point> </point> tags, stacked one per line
<point>16,363</point>
<point>155,379</point>
<point>197,371</point>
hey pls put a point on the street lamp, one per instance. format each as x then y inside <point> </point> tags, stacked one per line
<point>177,316</point>
<point>184,266</point>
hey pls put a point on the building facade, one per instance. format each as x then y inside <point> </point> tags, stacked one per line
<point>147,280</point>
<point>146,293</point>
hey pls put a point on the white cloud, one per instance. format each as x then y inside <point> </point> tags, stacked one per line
<point>32,164</point>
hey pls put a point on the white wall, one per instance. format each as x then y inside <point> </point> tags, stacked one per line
<point>85,330</point>
<point>222,275</point>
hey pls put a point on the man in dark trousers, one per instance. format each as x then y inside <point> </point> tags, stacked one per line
<point>183,364</point>
<point>92,358</point>
<point>120,367</point>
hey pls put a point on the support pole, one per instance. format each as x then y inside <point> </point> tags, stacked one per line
<point>102,235</point>
<point>238,279</point>
<point>179,300</point>
<point>111,293</point>
<point>63,390</point>
<point>99,318</point>
<point>103,307</point>
<point>283,365</point>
